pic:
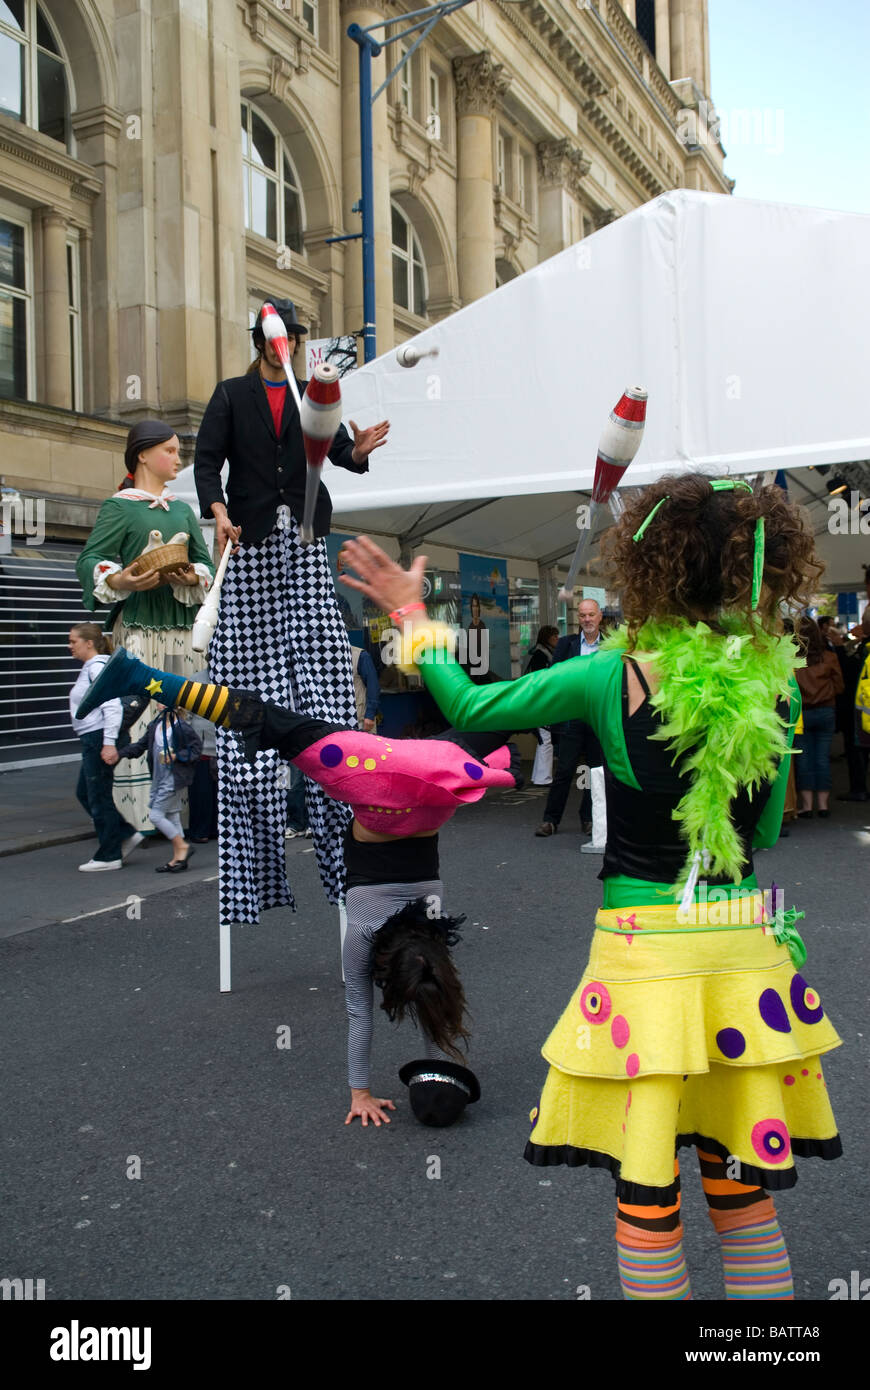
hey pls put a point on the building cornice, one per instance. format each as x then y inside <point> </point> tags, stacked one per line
<point>31,147</point>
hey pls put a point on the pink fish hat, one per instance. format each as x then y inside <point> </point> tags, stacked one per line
<point>402,786</point>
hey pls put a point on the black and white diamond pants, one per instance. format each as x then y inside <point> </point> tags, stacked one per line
<point>279,633</point>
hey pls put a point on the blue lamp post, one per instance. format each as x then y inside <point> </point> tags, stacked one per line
<point>369,48</point>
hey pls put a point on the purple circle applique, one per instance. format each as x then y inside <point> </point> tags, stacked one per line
<point>730,1042</point>
<point>331,755</point>
<point>805,1001</point>
<point>474,771</point>
<point>772,1010</point>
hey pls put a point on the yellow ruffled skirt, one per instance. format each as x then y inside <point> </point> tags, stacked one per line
<point>684,1032</point>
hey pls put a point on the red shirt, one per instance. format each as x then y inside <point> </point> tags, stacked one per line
<point>275,396</point>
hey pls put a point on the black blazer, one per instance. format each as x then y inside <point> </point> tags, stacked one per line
<point>264,470</point>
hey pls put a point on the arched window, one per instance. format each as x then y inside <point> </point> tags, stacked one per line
<point>410,289</point>
<point>273,198</point>
<point>34,88</point>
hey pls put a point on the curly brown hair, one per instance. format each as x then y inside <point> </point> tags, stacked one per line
<point>412,966</point>
<point>696,557</point>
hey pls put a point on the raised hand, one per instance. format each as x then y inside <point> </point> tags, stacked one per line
<point>380,578</point>
<point>366,441</point>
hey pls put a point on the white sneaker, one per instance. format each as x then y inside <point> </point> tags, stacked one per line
<point>591,849</point>
<point>308,834</point>
<point>131,843</point>
<point>97,866</point>
<point>293,834</point>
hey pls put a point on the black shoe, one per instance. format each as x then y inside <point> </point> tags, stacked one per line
<point>804,815</point>
<point>823,815</point>
<point>854,796</point>
<point>178,868</point>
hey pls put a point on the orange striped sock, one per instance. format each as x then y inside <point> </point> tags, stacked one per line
<point>651,1264</point>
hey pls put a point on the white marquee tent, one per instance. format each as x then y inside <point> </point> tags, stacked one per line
<point>747,322</point>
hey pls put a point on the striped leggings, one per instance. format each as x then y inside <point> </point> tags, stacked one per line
<point>755,1261</point>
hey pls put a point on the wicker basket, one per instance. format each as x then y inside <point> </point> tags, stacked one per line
<point>162,559</point>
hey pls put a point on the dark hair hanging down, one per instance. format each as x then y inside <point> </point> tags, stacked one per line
<point>412,966</point>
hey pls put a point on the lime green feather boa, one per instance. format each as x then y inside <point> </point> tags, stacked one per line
<point>717,702</point>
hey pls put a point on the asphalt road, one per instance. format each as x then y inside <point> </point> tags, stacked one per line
<point>122,1057</point>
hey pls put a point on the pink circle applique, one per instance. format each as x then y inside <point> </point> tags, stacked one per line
<point>770,1140</point>
<point>632,1064</point>
<point>620,1031</point>
<point>595,1004</point>
<point>789,1080</point>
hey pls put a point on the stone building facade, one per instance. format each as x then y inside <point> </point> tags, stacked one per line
<point>164,164</point>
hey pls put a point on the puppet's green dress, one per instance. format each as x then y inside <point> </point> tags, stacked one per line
<point>154,625</point>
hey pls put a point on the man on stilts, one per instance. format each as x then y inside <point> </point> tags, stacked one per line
<point>279,631</point>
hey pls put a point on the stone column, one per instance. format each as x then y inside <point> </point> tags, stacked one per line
<point>97,131</point>
<point>663,36</point>
<point>630,10</point>
<point>479,84</point>
<point>57,385</point>
<point>687,19</point>
<point>365,13</point>
<point>561,168</point>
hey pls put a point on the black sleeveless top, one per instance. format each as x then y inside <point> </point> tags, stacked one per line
<point>643,841</point>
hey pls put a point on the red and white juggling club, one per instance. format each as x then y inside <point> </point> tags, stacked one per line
<point>320,417</point>
<point>275,333</point>
<point>619,442</point>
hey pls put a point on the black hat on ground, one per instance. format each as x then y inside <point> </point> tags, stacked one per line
<point>286,311</point>
<point>439,1090</point>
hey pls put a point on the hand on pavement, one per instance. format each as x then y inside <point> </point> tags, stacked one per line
<point>368,1107</point>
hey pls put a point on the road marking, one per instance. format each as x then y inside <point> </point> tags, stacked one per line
<point>115,907</point>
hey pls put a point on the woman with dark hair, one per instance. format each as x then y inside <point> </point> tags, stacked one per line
<point>540,657</point>
<point>401,792</point>
<point>821,681</point>
<point>151,613</point>
<point>690,1025</point>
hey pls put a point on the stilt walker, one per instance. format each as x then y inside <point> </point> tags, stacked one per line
<point>279,629</point>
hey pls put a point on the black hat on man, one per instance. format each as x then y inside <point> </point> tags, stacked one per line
<point>286,310</point>
<point>439,1090</point>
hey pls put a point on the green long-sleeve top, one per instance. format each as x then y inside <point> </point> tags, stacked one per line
<point>591,691</point>
<point>120,534</point>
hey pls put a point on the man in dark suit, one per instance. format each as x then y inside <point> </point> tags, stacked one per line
<point>576,741</point>
<point>266,462</point>
<point>280,630</point>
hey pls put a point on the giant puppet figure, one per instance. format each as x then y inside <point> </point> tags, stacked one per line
<point>279,628</point>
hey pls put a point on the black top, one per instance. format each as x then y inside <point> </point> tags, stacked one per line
<point>643,839</point>
<point>265,470</point>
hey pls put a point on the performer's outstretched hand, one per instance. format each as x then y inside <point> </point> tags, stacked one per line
<point>364,1104</point>
<point>366,441</point>
<point>380,578</point>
